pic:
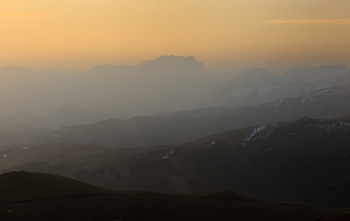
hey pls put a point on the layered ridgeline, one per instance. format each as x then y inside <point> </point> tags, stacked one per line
<point>257,86</point>
<point>120,91</point>
<point>24,195</point>
<point>300,160</point>
<point>189,125</point>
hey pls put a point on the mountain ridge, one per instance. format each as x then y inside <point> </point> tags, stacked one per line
<point>265,88</point>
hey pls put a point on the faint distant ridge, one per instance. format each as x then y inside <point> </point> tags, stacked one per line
<point>172,62</point>
<point>311,74</point>
<point>15,69</point>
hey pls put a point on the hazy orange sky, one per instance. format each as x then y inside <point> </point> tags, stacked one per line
<point>73,35</point>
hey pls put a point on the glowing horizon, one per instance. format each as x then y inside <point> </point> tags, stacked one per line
<point>75,35</point>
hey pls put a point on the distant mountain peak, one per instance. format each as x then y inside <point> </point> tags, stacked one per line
<point>174,64</point>
<point>15,69</point>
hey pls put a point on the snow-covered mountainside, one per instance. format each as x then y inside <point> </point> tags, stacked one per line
<point>256,86</point>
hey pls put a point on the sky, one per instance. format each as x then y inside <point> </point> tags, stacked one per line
<point>74,35</point>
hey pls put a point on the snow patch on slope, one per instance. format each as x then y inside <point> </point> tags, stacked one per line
<point>260,132</point>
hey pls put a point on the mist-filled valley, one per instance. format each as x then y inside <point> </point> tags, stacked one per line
<point>165,85</point>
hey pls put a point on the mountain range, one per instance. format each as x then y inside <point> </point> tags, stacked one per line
<point>159,141</point>
<point>167,84</point>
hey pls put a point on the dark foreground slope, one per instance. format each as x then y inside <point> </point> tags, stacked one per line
<point>340,218</point>
<point>303,160</point>
<point>36,196</point>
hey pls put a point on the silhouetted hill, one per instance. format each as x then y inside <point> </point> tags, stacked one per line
<point>36,196</point>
